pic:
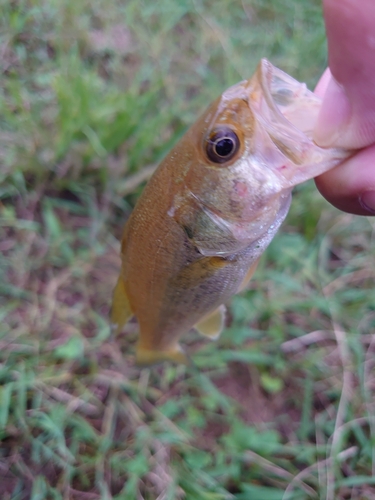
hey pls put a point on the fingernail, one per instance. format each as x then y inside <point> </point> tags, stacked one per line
<point>334,115</point>
<point>367,201</point>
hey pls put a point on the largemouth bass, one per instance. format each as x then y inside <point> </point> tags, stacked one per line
<point>212,207</point>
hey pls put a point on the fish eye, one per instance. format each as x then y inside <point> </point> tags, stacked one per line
<point>222,144</point>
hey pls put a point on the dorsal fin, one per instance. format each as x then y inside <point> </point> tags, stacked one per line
<point>120,311</point>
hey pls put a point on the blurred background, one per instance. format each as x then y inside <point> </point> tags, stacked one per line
<point>92,96</point>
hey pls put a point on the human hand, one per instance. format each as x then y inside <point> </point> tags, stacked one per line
<point>347,117</point>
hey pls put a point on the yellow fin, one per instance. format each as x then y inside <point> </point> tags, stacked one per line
<point>212,325</point>
<point>148,357</point>
<point>248,276</point>
<point>120,311</point>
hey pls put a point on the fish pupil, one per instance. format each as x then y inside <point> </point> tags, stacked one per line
<point>224,147</point>
<point>222,144</point>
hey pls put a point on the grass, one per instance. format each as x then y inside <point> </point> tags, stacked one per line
<point>282,406</point>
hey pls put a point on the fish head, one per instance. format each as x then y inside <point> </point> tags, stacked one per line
<point>252,145</point>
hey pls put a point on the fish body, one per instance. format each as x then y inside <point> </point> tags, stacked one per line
<point>212,207</point>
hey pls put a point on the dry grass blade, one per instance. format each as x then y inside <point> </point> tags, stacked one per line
<point>73,403</point>
<point>132,182</point>
<point>348,280</point>
<point>346,394</point>
<point>267,465</point>
<point>304,474</point>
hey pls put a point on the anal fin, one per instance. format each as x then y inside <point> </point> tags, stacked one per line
<point>212,325</point>
<point>149,357</point>
<point>120,311</point>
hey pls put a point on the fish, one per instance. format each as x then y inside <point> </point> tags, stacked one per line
<point>212,207</point>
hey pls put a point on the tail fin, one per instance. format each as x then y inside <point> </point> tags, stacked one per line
<point>148,357</point>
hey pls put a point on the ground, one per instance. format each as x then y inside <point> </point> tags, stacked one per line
<point>93,94</point>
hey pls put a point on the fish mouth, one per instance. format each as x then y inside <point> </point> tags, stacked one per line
<point>287,112</point>
<point>291,103</point>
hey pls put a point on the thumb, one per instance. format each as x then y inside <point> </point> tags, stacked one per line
<point>347,116</point>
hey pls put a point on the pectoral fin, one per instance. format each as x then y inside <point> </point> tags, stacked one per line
<point>147,357</point>
<point>198,271</point>
<point>212,325</point>
<point>248,276</point>
<point>120,311</point>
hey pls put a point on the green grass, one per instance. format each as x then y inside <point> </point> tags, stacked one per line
<point>282,406</point>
